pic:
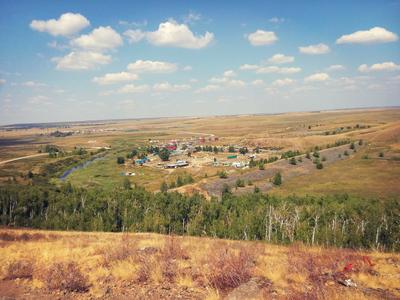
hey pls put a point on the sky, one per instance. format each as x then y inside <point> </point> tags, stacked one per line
<point>92,60</point>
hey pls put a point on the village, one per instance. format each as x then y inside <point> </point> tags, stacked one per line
<point>195,152</point>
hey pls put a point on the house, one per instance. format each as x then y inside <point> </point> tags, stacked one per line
<point>177,164</point>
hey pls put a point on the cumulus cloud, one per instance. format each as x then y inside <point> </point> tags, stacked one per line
<point>257,82</point>
<point>134,35</point>
<point>281,59</point>
<point>279,70</point>
<point>371,36</point>
<point>208,88</point>
<point>283,82</point>
<point>112,78</point>
<point>317,77</point>
<point>247,67</point>
<point>385,66</point>
<point>173,34</point>
<point>66,25</point>
<point>81,60</point>
<point>230,73</point>
<point>261,38</point>
<point>336,68</point>
<point>167,87</point>
<point>100,39</point>
<point>149,66</point>
<point>315,49</point>
<point>131,89</point>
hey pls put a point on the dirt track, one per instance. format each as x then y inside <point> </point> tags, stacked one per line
<point>261,177</point>
<point>22,157</point>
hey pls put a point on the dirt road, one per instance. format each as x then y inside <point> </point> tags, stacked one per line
<point>22,157</point>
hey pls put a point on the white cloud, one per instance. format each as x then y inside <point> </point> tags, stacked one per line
<point>172,34</point>
<point>167,87</point>
<point>283,82</point>
<point>336,68</point>
<point>39,99</point>
<point>208,88</point>
<point>371,36</point>
<point>187,68</point>
<point>276,20</point>
<point>81,60</point>
<point>111,78</point>
<point>315,49</point>
<point>317,77</point>
<point>66,25</point>
<point>230,73</point>
<point>235,83</point>
<point>246,67</point>
<point>149,66</point>
<point>385,66</point>
<point>257,82</point>
<point>2,81</point>
<point>261,37</point>
<point>101,38</point>
<point>33,84</point>
<point>281,59</point>
<point>134,35</point>
<point>192,18</point>
<point>131,88</point>
<point>275,69</point>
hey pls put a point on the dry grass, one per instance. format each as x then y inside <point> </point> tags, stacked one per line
<point>92,265</point>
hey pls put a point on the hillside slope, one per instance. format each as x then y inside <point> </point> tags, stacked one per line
<point>48,265</point>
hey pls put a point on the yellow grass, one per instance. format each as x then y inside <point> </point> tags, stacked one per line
<point>284,267</point>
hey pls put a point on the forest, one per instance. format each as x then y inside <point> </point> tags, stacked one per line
<point>336,220</point>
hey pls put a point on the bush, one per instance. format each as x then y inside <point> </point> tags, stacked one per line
<point>222,174</point>
<point>66,276</point>
<point>19,269</point>
<point>308,155</point>
<point>352,146</point>
<point>293,161</point>
<point>316,154</point>
<point>319,165</point>
<point>120,160</point>
<point>277,179</point>
<point>323,158</point>
<point>228,270</point>
<point>240,183</point>
<point>261,166</point>
<point>164,154</point>
<point>346,153</point>
<point>381,154</point>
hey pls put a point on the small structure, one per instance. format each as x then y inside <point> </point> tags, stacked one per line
<point>231,156</point>
<point>142,161</point>
<point>177,164</point>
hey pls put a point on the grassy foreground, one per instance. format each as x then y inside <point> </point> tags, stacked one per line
<point>55,264</point>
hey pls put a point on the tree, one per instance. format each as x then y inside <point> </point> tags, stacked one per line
<point>164,154</point>
<point>243,150</point>
<point>277,179</point>
<point>120,160</point>
<point>261,166</point>
<point>381,154</point>
<point>319,165</point>
<point>256,189</point>
<point>352,146</point>
<point>231,149</point>
<point>316,154</point>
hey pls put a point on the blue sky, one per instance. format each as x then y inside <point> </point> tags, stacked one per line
<point>80,60</point>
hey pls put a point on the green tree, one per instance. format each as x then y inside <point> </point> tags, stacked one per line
<point>164,154</point>
<point>319,165</point>
<point>277,180</point>
<point>120,160</point>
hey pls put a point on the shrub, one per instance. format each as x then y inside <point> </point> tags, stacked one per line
<point>346,153</point>
<point>66,276</point>
<point>316,154</point>
<point>261,166</point>
<point>365,156</point>
<point>222,174</point>
<point>352,146</point>
<point>120,160</point>
<point>308,155</point>
<point>277,179</point>
<point>228,270</point>
<point>319,165</point>
<point>118,251</point>
<point>381,154</point>
<point>239,182</point>
<point>323,158</point>
<point>256,189</point>
<point>19,269</point>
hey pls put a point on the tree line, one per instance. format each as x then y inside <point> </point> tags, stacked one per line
<point>341,220</point>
